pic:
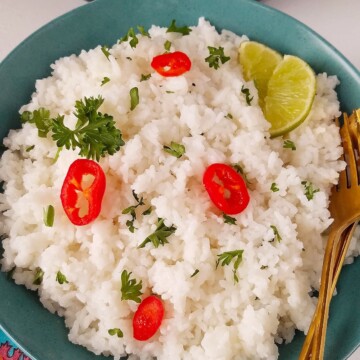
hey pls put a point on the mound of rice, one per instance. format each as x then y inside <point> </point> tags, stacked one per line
<point>207,316</point>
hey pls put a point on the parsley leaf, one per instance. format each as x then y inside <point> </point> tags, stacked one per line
<point>132,36</point>
<point>49,216</point>
<point>29,148</point>
<point>147,211</point>
<point>175,149</point>
<point>134,98</point>
<point>61,278</point>
<point>309,189</point>
<point>142,31</point>
<point>145,77</point>
<point>246,92</point>
<point>95,133</point>
<point>39,275</point>
<point>116,331</point>
<point>131,210</point>
<point>227,257</point>
<point>105,51</point>
<point>185,30</point>
<point>160,235</point>
<point>228,219</point>
<point>195,273</point>
<point>239,169</point>
<point>274,187</point>
<point>167,45</point>
<point>276,233</point>
<point>41,119</point>
<point>229,116</point>
<point>216,56</point>
<point>130,289</point>
<point>105,80</point>
<point>288,144</point>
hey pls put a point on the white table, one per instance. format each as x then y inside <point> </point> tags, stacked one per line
<point>338,21</point>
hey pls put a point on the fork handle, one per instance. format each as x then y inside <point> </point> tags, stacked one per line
<point>340,256</point>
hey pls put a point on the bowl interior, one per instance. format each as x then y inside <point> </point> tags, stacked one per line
<point>103,22</point>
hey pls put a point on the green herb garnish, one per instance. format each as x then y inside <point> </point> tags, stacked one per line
<point>49,216</point>
<point>145,77</point>
<point>309,189</point>
<point>288,144</point>
<point>55,159</point>
<point>105,51</point>
<point>216,56</point>
<point>61,278</point>
<point>116,331</point>
<point>132,36</point>
<point>229,116</point>
<point>41,119</point>
<point>227,257</point>
<point>105,80</point>
<point>142,31</point>
<point>131,210</point>
<point>184,30</point>
<point>274,187</point>
<point>160,235</point>
<point>239,169</point>
<point>195,273</point>
<point>38,277</point>
<point>134,98</point>
<point>175,149</point>
<point>29,148</point>
<point>147,211</point>
<point>95,133</point>
<point>247,94</point>
<point>228,219</point>
<point>276,233</point>
<point>130,289</point>
<point>167,45</point>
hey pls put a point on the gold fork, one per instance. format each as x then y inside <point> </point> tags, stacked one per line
<point>345,209</point>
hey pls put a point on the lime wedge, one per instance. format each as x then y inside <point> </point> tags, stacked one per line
<point>290,95</point>
<point>258,63</point>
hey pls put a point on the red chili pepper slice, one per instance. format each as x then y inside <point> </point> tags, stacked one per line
<point>226,188</point>
<point>171,64</point>
<point>73,186</point>
<point>148,318</point>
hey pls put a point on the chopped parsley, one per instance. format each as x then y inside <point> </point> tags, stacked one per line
<point>247,94</point>
<point>184,30</point>
<point>229,116</point>
<point>41,119</point>
<point>147,211</point>
<point>116,331</point>
<point>239,169</point>
<point>131,210</point>
<point>142,31</point>
<point>167,45</point>
<point>49,216</point>
<point>61,278</point>
<point>216,56</point>
<point>160,235</point>
<point>130,35</point>
<point>130,288</point>
<point>274,187</point>
<point>227,257</point>
<point>38,277</point>
<point>195,273</point>
<point>277,236</point>
<point>309,189</point>
<point>29,148</point>
<point>288,144</point>
<point>228,219</point>
<point>145,77</point>
<point>175,149</point>
<point>105,80</point>
<point>105,51</point>
<point>134,98</point>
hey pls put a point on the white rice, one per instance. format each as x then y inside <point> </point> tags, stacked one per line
<point>208,316</point>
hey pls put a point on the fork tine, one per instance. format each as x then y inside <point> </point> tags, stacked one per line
<point>349,156</point>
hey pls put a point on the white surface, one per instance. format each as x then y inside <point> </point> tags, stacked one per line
<point>338,21</point>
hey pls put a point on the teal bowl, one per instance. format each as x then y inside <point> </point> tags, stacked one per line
<point>42,334</point>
